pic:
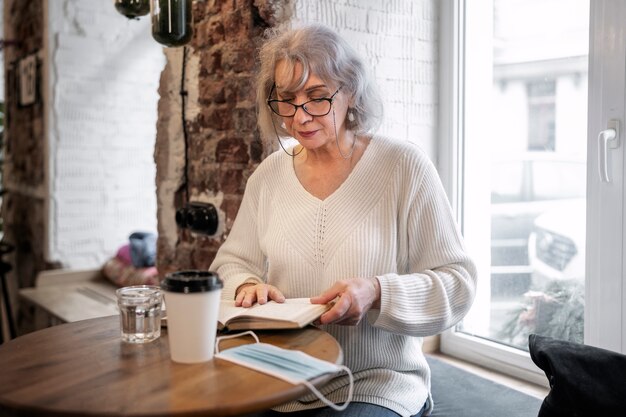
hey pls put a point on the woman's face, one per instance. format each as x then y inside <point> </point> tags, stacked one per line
<point>312,132</point>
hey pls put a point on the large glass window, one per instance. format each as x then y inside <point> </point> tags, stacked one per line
<point>521,115</point>
<point>538,170</point>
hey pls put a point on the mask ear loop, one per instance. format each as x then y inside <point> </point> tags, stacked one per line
<point>233,336</point>
<point>325,400</point>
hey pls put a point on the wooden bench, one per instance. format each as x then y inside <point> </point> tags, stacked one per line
<point>62,296</point>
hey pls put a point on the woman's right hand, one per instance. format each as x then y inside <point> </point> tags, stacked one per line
<point>248,294</point>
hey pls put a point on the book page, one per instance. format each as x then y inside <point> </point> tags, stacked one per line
<point>228,311</point>
<point>296,310</point>
<point>290,310</point>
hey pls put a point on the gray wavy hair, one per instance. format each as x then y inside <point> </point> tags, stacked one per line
<point>320,51</point>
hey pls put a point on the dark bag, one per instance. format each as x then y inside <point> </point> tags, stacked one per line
<point>584,380</point>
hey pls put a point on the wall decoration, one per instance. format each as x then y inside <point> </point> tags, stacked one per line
<point>27,81</point>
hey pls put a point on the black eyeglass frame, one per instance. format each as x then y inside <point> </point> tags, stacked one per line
<point>303,105</point>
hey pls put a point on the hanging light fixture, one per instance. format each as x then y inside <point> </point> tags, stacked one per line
<point>171,21</point>
<point>132,9</point>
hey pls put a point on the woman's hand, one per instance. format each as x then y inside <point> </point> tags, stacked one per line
<point>353,299</point>
<point>248,294</point>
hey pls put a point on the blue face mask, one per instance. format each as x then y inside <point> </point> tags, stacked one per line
<point>293,366</point>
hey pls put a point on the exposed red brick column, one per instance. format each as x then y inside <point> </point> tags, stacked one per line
<point>222,142</point>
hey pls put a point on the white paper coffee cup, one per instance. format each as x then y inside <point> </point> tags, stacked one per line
<point>192,299</point>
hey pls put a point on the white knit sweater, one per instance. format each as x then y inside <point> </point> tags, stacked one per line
<point>390,219</point>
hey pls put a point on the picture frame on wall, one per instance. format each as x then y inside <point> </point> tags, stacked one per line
<point>27,80</point>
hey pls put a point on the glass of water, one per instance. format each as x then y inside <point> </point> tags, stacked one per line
<point>140,313</point>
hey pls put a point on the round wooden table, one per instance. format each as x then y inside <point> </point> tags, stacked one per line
<point>84,369</point>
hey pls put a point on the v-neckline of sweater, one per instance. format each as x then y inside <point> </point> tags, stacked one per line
<point>352,177</point>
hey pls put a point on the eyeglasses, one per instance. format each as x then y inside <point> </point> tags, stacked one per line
<point>315,107</point>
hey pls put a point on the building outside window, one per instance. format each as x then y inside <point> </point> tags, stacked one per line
<point>541,114</point>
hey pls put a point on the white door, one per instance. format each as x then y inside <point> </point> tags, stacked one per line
<point>532,89</point>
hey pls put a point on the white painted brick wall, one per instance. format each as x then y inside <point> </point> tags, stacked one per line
<point>399,38</point>
<point>104,75</point>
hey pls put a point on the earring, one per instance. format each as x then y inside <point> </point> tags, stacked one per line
<point>351,116</point>
<point>283,125</point>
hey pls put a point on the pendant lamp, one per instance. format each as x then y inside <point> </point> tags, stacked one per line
<point>132,9</point>
<point>171,21</point>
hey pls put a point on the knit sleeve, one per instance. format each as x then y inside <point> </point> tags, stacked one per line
<point>439,288</point>
<point>240,258</point>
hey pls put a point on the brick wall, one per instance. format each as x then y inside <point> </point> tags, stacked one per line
<point>79,172</point>
<point>104,73</point>
<point>399,38</point>
<point>84,150</point>
<point>211,158</point>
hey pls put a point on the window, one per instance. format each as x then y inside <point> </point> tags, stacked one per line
<point>541,115</point>
<point>546,232</point>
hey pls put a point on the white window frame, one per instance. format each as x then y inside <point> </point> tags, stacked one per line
<point>605,311</point>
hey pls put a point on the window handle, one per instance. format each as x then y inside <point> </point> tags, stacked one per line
<point>607,139</point>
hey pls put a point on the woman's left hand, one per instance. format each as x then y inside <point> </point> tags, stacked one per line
<point>353,298</point>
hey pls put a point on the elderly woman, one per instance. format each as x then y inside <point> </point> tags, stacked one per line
<point>341,214</point>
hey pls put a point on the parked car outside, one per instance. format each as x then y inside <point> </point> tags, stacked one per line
<point>555,304</point>
<point>556,246</point>
<point>524,188</point>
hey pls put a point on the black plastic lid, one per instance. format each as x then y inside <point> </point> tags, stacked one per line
<point>192,281</point>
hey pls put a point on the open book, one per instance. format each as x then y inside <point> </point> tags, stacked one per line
<point>294,313</point>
